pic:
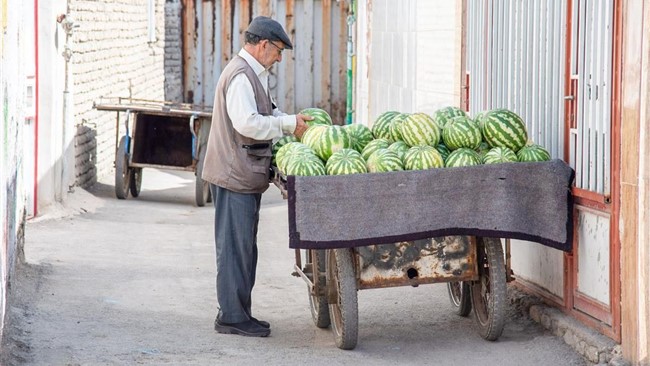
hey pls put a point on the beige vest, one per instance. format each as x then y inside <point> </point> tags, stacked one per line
<point>233,161</point>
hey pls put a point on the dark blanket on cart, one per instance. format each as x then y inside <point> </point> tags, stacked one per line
<point>528,201</point>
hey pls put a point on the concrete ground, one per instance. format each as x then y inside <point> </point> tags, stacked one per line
<point>121,282</point>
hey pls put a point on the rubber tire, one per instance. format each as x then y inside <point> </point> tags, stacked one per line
<point>343,305</point>
<point>135,183</point>
<point>122,170</point>
<point>460,298</point>
<point>202,188</point>
<point>318,304</point>
<point>489,293</point>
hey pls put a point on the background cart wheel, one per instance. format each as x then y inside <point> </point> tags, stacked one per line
<point>122,170</point>
<point>342,297</point>
<point>318,303</point>
<point>202,188</point>
<point>135,182</point>
<point>489,292</point>
<point>459,297</point>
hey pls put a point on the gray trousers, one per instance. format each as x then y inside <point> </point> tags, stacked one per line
<point>235,237</point>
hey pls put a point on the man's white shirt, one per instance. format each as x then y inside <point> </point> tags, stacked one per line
<point>242,108</point>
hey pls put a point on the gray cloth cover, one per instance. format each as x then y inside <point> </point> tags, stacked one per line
<point>528,201</point>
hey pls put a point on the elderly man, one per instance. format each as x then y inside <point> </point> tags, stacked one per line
<point>245,121</point>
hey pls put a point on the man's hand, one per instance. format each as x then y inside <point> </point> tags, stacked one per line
<point>301,126</point>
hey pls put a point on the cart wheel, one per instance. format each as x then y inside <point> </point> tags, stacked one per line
<point>318,303</point>
<point>459,297</point>
<point>122,171</point>
<point>135,182</point>
<point>489,292</point>
<point>202,188</point>
<point>342,285</point>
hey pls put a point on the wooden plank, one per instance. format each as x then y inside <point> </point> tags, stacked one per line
<point>326,57</point>
<point>290,70</point>
<point>264,7</point>
<point>244,18</point>
<point>227,14</point>
<point>188,29</point>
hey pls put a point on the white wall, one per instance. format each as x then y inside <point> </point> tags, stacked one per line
<point>13,43</point>
<point>408,56</point>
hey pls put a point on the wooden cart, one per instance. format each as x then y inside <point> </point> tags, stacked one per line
<point>159,135</point>
<point>473,267</point>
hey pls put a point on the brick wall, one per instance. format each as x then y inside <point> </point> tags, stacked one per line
<point>173,52</point>
<point>113,57</point>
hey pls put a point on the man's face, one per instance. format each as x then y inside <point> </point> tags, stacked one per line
<point>272,52</point>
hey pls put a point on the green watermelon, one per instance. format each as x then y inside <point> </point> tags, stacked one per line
<point>461,132</point>
<point>443,150</point>
<point>533,152</point>
<point>321,117</point>
<point>311,136</point>
<point>443,115</point>
<point>396,126</point>
<point>305,165</point>
<point>400,147</point>
<point>281,142</point>
<point>333,139</point>
<point>290,150</point>
<point>420,129</point>
<point>345,161</point>
<point>463,157</point>
<point>423,157</point>
<point>361,135</point>
<point>502,127</point>
<point>381,128</point>
<point>498,155</point>
<point>384,160</point>
<point>478,118</point>
<point>373,146</point>
<point>482,149</point>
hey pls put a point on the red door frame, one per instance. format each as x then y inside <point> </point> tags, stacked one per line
<point>606,319</point>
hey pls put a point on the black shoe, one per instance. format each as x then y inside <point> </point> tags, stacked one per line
<point>261,323</point>
<point>247,328</point>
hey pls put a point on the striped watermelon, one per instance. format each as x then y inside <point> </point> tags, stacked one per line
<point>321,117</point>
<point>443,150</point>
<point>533,152</point>
<point>291,150</point>
<point>502,127</point>
<point>373,146</point>
<point>396,126</point>
<point>400,147</point>
<point>381,128</point>
<point>461,132</point>
<point>420,129</point>
<point>482,149</point>
<point>345,161</point>
<point>361,135</point>
<point>498,155</point>
<point>384,160</point>
<point>423,157</point>
<point>443,115</point>
<point>305,165</point>
<point>463,157</point>
<point>333,139</point>
<point>312,135</point>
<point>281,142</point>
<point>478,118</point>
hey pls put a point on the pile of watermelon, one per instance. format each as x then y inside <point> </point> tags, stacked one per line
<point>407,141</point>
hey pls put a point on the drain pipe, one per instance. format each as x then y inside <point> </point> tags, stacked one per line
<point>350,62</point>
<point>35,209</point>
<point>67,170</point>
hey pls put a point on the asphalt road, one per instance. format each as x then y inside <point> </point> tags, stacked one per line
<point>123,282</point>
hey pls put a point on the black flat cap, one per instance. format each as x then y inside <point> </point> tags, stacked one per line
<point>267,28</point>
